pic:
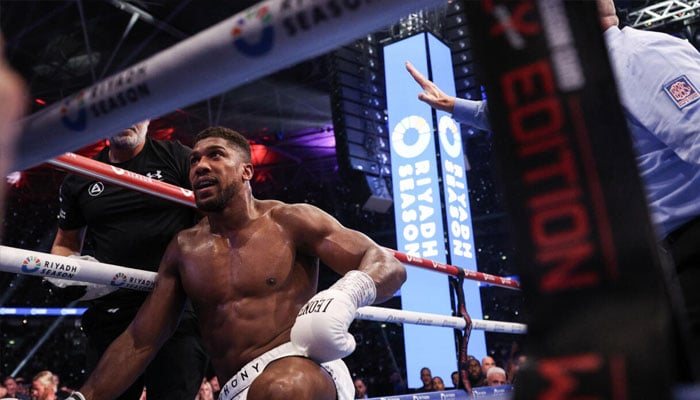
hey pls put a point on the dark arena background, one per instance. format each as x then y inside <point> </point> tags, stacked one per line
<point>302,123</point>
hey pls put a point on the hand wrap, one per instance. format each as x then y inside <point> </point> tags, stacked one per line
<point>321,327</point>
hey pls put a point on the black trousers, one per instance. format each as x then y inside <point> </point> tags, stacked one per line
<point>683,245</point>
<point>177,370</point>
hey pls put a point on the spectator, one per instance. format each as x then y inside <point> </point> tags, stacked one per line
<point>23,389</point>
<point>62,392</point>
<point>360,389</point>
<point>205,391</point>
<point>474,373</point>
<point>398,383</point>
<point>438,384</point>
<point>455,379</point>
<point>43,386</point>
<point>486,363</point>
<point>13,389</point>
<point>514,367</point>
<point>215,386</point>
<point>496,376</point>
<point>427,378</point>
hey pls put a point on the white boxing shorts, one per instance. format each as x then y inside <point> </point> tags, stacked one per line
<point>237,387</point>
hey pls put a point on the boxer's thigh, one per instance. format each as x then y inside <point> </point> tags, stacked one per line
<point>293,378</point>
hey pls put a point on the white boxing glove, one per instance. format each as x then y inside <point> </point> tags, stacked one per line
<point>321,327</point>
<point>91,290</point>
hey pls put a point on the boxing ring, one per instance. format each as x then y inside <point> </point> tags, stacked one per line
<point>39,264</point>
<point>249,45</point>
<point>34,263</point>
<point>258,41</point>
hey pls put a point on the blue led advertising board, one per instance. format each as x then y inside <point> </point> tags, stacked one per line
<point>418,201</point>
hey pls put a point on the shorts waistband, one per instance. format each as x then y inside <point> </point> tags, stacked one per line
<point>245,376</point>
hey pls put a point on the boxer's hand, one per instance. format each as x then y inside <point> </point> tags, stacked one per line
<point>321,328</point>
<point>72,290</point>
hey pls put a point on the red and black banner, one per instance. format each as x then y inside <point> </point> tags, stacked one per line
<point>599,314</point>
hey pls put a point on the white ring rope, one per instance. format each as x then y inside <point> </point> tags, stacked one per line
<point>382,314</point>
<point>41,264</point>
<point>254,43</point>
<point>36,263</point>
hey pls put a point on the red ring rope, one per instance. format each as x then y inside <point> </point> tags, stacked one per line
<point>97,170</point>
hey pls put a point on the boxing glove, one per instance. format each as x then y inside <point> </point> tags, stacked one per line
<point>72,290</point>
<point>320,331</point>
<point>76,396</point>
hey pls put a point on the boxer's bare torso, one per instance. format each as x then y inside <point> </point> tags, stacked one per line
<point>247,286</point>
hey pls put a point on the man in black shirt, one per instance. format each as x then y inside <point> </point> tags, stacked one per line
<point>126,228</point>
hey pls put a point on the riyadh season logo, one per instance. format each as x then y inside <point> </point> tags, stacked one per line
<point>31,264</point>
<point>118,280</point>
<point>74,119</point>
<point>411,136</point>
<point>267,35</point>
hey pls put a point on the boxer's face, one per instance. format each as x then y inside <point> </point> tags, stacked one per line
<point>218,171</point>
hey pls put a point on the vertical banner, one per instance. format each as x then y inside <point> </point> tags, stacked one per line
<point>600,321</point>
<point>418,205</point>
<point>455,189</point>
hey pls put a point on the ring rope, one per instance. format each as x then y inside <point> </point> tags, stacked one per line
<point>94,169</point>
<point>36,263</point>
<point>41,264</point>
<point>457,285</point>
<point>97,170</point>
<point>382,314</point>
<point>494,280</point>
<point>251,44</point>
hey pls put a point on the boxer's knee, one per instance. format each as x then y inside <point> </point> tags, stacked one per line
<point>293,378</point>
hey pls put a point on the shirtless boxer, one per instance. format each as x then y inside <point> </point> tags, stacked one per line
<point>251,270</point>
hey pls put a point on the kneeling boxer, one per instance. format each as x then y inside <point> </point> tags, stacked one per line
<point>250,268</point>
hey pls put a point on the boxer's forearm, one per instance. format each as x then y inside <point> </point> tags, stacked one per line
<point>386,271</point>
<point>119,367</point>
